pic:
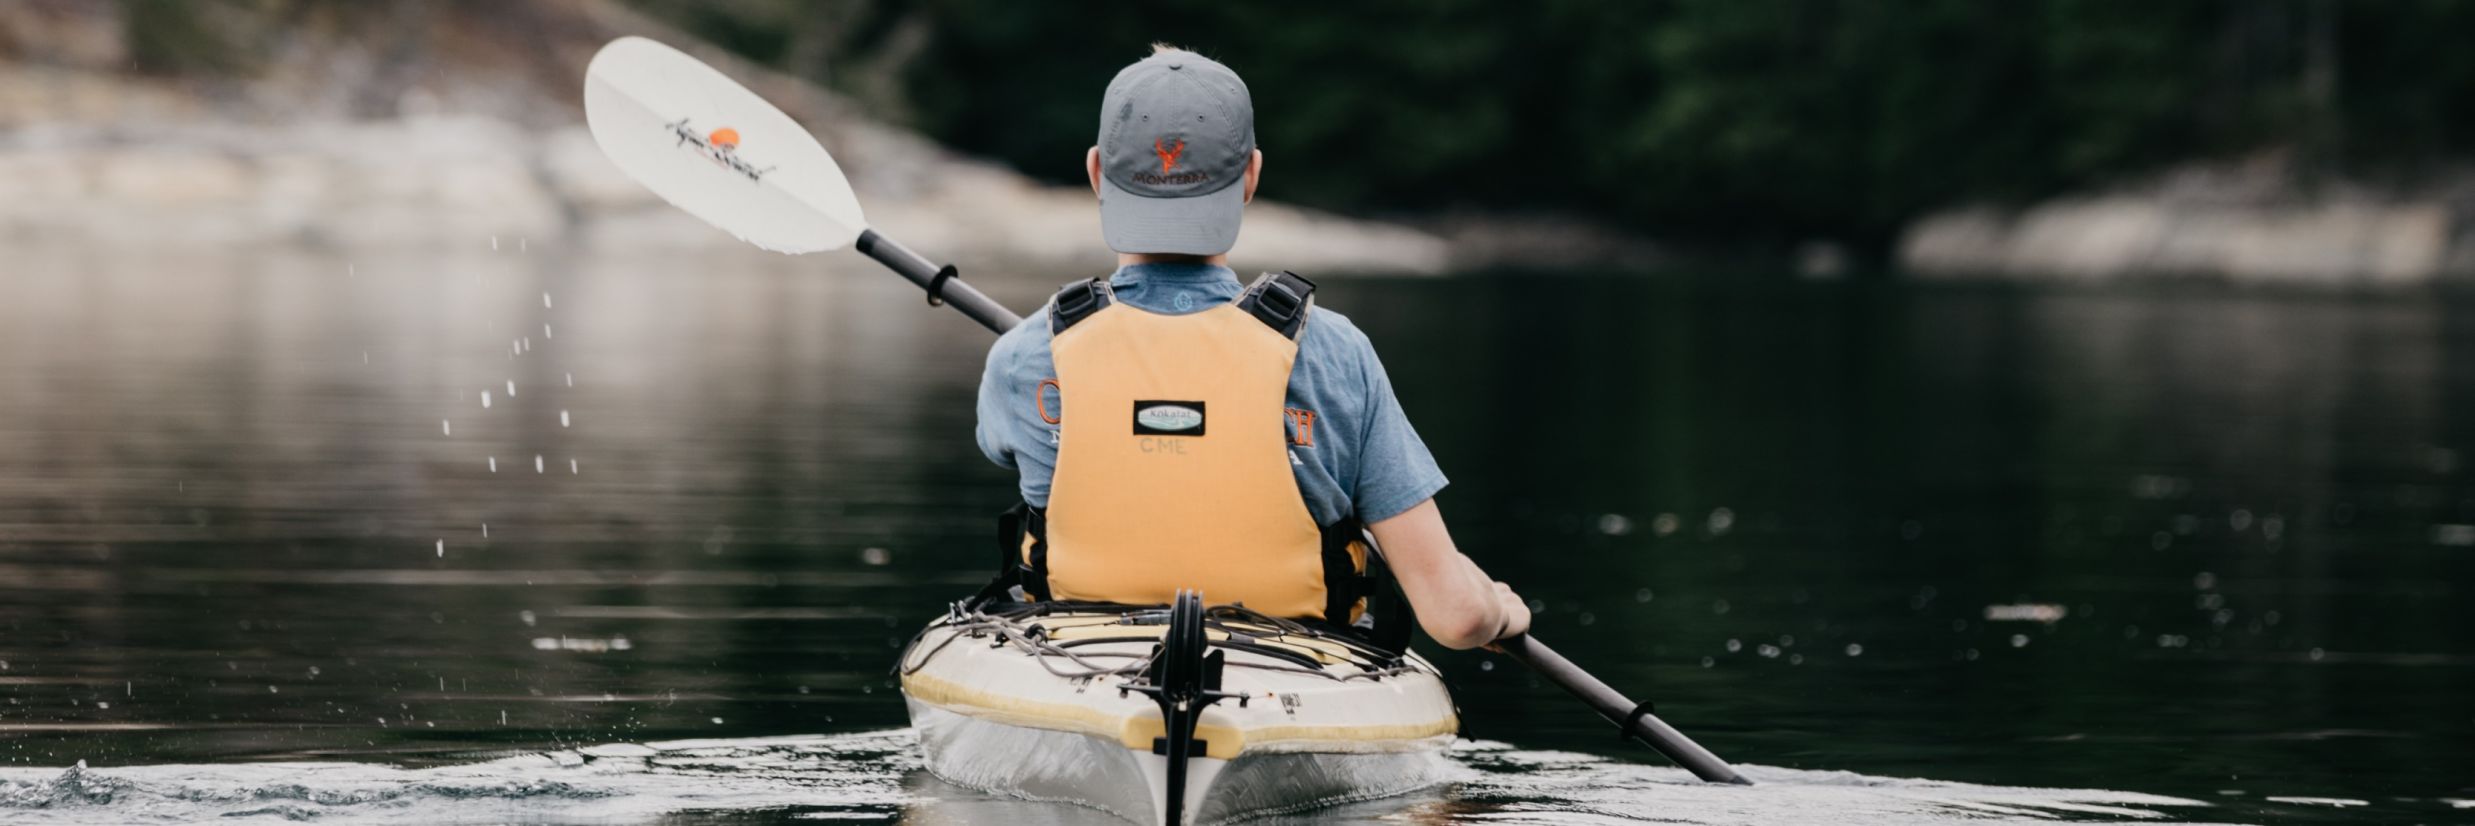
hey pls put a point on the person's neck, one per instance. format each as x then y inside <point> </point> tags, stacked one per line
<point>1128,259</point>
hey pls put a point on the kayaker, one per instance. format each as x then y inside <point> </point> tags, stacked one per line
<point>1174,428</point>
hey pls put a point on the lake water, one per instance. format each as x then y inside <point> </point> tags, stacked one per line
<point>508,536</point>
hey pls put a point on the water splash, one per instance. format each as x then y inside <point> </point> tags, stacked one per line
<point>878,777</point>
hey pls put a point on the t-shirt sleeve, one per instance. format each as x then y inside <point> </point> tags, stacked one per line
<point>1005,387</point>
<point>1395,471</point>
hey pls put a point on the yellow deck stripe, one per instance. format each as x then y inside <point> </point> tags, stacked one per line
<point>1137,733</point>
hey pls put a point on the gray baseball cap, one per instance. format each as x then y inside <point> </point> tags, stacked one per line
<point>1177,130</point>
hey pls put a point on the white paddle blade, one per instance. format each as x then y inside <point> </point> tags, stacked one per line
<point>715,149</point>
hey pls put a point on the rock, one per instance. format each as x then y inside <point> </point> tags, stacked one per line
<point>2247,223</point>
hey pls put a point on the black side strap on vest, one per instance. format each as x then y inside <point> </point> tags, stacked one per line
<point>1014,526</point>
<point>1343,583</point>
<point>1386,607</point>
<point>1077,302</point>
<point>1279,299</point>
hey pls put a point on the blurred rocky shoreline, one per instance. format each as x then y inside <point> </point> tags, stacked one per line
<point>422,127</point>
<point>2256,221</point>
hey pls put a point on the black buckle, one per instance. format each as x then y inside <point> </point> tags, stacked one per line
<point>1078,301</point>
<point>1280,302</point>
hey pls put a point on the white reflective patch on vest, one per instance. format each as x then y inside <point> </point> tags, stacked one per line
<point>1168,418</point>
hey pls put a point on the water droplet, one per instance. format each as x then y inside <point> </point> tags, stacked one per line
<point>2019,641</point>
<point>1734,646</point>
<point>545,332</point>
<point>537,463</point>
<point>514,348</point>
<point>875,556</point>
<point>485,530</point>
<point>571,379</point>
<point>1642,595</point>
<point>1721,521</point>
<point>1664,524</point>
<point>493,464</point>
<point>1486,665</point>
<point>511,388</point>
<point>485,400</point>
<point>545,301</point>
<point>494,243</point>
<point>445,429</point>
<point>442,547</point>
<point>571,467</point>
<point>1855,650</point>
<point>717,721</point>
<point>563,418</point>
<point>527,617</point>
<point>1615,524</point>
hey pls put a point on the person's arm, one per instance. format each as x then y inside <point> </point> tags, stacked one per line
<point>1457,604</point>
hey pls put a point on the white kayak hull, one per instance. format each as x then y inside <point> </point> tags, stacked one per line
<point>998,717</point>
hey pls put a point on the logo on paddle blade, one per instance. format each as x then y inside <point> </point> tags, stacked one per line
<point>721,146</point>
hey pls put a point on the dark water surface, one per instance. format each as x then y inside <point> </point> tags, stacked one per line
<point>244,569</point>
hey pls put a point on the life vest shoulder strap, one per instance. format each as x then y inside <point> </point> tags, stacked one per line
<point>1077,302</point>
<point>1279,300</point>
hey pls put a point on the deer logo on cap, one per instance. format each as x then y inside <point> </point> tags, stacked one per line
<point>1168,155</point>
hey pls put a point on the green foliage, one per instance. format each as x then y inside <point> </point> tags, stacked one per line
<point>175,37</point>
<point>1721,118</point>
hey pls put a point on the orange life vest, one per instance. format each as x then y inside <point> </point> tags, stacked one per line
<point>1173,464</point>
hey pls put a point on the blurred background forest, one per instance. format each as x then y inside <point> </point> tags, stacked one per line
<point>2296,141</point>
<point>1761,119</point>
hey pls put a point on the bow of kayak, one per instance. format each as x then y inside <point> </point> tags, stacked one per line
<point>1034,703</point>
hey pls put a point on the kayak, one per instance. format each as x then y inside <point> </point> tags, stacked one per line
<point>1085,703</point>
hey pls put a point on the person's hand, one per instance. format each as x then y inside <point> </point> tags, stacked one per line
<point>1516,615</point>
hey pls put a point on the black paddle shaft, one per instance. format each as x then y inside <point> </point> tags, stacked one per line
<point>939,281</point>
<point>1621,711</point>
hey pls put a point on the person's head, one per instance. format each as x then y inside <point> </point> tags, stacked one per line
<point>1176,163</point>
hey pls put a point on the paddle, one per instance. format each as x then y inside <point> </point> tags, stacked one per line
<point>1634,719</point>
<point>708,145</point>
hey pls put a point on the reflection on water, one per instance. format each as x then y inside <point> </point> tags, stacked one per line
<point>2194,544</point>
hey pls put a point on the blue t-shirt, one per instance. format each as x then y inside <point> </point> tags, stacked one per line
<point>1365,460</point>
